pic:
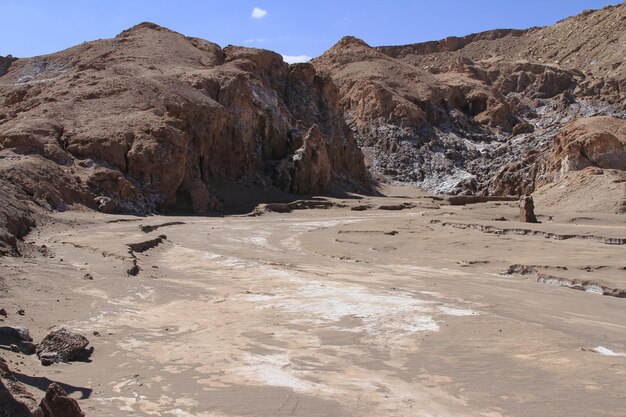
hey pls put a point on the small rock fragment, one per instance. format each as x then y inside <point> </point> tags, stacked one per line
<point>105,204</point>
<point>518,269</point>
<point>28,348</point>
<point>521,128</point>
<point>134,270</point>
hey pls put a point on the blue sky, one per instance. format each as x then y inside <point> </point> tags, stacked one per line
<point>292,28</point>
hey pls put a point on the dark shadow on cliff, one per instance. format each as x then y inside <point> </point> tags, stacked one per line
<point>240,199</point>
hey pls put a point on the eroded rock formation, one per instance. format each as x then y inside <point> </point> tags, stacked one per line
<point>478,114</point>
<point>585,169</point>
<point>596,141</point>
<point>155,121</point>
<point>152,120</point>
<point>527,210</point>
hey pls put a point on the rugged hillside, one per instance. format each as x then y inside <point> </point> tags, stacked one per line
<point>152,121</point>
<point>478,114</point>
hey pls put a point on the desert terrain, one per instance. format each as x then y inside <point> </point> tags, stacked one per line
<point>189,229</point>
<point>403,304</point>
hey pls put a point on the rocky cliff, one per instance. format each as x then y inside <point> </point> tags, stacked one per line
<point>152,120</point>
<point>479,114</point>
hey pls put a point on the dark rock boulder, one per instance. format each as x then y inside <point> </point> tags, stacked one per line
<point>60,346</point>
<point>57,403</point>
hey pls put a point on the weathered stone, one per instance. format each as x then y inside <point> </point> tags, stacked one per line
<point>522,128</point>
<point>311,165</point>
<point>105,204</point>
<point>435,114</point>
<point>595,141</point>
<point>60,346</point>
<point>518,269</point>
<point>28,348</point>
<point>57,403</point>
<point>17,332</point>
<point>527,210</point>
<point>133,270</point>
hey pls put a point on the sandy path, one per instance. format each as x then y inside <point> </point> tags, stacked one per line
<point>324,312</point>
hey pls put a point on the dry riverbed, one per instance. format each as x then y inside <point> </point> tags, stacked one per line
<point>399,308</point>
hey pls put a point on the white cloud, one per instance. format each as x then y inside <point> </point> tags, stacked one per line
<point>292,59</point>
<point>258,13</point>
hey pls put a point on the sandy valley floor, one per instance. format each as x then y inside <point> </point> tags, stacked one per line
<point>332,312</point>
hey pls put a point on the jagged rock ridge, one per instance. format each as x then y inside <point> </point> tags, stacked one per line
<point>478,114</point>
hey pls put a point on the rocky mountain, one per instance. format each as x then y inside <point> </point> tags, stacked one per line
<point>152,121</point>
<point>479,114</point>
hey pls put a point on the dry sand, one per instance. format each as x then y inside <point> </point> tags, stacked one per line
<point>332,312</point>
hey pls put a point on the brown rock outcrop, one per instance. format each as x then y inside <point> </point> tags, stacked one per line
<point>309,170</point>
<point>592,190</point>
<point>527,210</point>
<point>594,141</point>
<point>57,403</point>
<point>585,169</point>
<point>176,116</point>
<point>522,128</point>
<point>17,401</point>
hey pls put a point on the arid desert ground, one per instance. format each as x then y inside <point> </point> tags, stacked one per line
<point>402,305</point>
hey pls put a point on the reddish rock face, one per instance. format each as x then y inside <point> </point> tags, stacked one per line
<point>309,170</point>
<point>596,141</point>
<point>57,403</point>
<point>152,120</point>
